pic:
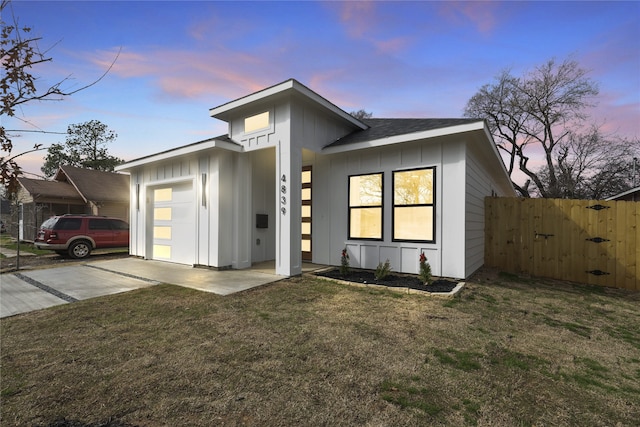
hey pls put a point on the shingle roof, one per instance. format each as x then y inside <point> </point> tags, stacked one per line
<point>96,186</point>
<point>40,187</point>
<point>384,128</point>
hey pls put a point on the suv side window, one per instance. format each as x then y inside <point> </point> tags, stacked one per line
<point>49,223</point>
<point>68,224</point>
<point>116,224</point>
<point>99,224</point>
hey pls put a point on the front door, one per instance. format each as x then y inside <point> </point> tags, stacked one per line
<point>306,213</point>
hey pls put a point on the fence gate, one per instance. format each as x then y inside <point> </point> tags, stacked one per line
<point>594,242</point>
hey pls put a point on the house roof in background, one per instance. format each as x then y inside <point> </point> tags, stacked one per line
<point>96,186</point>
<point>386,128</point>
<point>40,187</point>
<point>632,194</point>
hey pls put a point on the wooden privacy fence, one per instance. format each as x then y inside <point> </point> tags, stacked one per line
<point>587,241</point>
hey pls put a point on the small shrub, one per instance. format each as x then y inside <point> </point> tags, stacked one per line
<point>344,263</point>
<point>425,270</point>
<point>383,270</point>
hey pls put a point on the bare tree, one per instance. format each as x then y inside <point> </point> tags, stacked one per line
<point>361,114</point>
<point>536,113</point>
<point>592,165</point>
<point>20,54</point>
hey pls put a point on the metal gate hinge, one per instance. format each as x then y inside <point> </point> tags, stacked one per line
<point>598,240</point>
<point>542,235</point>
<point>598,272</point>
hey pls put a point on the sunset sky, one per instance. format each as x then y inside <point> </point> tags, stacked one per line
<point>393,59</point>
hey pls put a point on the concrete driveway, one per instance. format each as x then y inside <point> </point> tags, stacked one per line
<point>30,290</point>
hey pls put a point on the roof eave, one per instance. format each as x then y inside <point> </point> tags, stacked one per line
<point>398,139</point>
<point>624,193</point>
<point>180,151</point>
<point>222,112</point>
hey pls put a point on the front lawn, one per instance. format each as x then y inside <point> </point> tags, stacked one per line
<point>305,351</point>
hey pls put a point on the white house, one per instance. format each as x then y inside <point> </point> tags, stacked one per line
<point>299,179</point>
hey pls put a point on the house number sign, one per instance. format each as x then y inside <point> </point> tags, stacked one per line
<point>283,199</point>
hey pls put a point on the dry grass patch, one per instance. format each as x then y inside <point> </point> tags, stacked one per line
<point>309,352</point>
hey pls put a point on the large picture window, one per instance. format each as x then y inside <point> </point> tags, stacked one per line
<point>365,206</point>
<point>413,205</point>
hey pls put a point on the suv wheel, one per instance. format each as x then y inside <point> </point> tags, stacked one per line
<point>80,249</point>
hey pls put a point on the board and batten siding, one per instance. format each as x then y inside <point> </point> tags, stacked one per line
<point>212,210</point>
<point>478,186</point>
<point>263,172</point>
<point>331,212</point>
<point>303,124</point>
<point>314,128</point>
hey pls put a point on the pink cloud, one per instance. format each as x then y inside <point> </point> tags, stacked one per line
<point>481,14</point>
<point>619,120</point>
<point>187,74</point>
<point>358,17</point>
<point>324,83</point>
<point>127,64</point>
<point>202,29</point>
<point>393,45</point>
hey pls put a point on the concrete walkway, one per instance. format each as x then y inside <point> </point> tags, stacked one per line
<point>30,290</point>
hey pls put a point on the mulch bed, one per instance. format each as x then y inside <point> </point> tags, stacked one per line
<point>392,280</point>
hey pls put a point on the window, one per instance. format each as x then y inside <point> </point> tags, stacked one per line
<point>117,224</point>
<point>257,122</point>
<point>163,194</point>
<point>99,224</point>
<point>413,205</point>
<point>68,224</point>
<point>162,232</point>
<point>365,206</point>
<point>162,214</point>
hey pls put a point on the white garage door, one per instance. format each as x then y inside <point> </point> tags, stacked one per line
<point>174,223</point>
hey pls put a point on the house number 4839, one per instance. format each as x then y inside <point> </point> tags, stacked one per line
<point>283,199</point>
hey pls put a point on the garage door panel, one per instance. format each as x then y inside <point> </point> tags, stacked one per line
<point>173,223</point>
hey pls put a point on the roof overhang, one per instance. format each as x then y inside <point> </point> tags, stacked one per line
<point>625,193</point>
<point>408,137</point>
<point>180,151</point>
<point>291,87</point>
<point>479,128</point>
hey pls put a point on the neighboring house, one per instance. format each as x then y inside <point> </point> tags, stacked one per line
<point>632,195</point>
<point>299,179</point>
<point>5,213</point>
<point>72,191</point>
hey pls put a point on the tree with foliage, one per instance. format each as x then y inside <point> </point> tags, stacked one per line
<point>542,116</point>
<point>85,147</point>
<point>20,55</point>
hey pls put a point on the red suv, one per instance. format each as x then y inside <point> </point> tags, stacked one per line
<point>78,235</point>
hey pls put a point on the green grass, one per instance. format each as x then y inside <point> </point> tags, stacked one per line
<point>7,242</point>
<point>309,352</point>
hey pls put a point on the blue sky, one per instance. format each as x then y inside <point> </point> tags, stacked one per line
<point>394,59</point>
